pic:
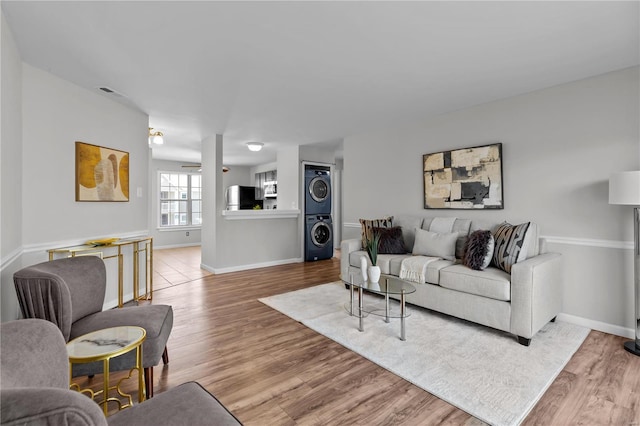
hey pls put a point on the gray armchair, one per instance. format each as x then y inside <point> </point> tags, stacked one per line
<point>34,388</point>
<point>70,293</point>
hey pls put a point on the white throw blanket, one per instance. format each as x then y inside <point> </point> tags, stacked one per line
<point>414,268</point>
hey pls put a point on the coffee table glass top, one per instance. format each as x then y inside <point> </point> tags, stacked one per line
<point>108,342</point>
<point>387,284</point>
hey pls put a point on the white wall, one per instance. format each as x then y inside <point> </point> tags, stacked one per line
<point>237,175</point>
<point>214,202</point>
<point>560,146</point>
<point>10,170</point>
<point>229,245</point>
<point>289,178</point>
<point>48,116</point>
<point>56,114</point>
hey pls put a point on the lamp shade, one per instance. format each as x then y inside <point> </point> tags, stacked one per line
<point>624,188</point>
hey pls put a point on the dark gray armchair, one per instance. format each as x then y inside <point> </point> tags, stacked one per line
<point>70,293</point>
<point>34,388</point>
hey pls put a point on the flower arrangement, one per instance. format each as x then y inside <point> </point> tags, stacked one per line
<point>372,248</point>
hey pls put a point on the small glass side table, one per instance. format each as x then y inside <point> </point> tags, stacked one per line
<point>102,345</point>
<point>388,285</point>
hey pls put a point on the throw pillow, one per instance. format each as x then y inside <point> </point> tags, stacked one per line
<point>367,226</point>
<point>509,245</point>
<point>391,240</point>
<point>436,245</point>
<point>478,250</point>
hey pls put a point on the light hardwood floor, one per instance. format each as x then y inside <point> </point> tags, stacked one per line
<point>270,370</point>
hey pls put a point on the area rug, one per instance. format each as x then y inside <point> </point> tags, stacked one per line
<point>482,371</point>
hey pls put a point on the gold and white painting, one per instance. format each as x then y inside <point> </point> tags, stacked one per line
<point>102,174</point>
<point>469,178</point>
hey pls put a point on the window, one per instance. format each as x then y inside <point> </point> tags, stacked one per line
<point>180,199</point>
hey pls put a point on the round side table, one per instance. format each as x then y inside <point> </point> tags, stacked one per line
<point>102,345</point>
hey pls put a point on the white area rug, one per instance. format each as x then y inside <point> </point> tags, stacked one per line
<point>482,371</point>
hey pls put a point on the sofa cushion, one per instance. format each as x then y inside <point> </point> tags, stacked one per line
<point>408,225</point>
<point>442,225</point>
<point>391,240</point>
<point>386,260</point>
<point>367,226</point>
<point>354,257</point>
<point>157,320</point>
<point>450,224</point>
<point>511,245</point>
<point>432,244</point>
<point>492,282</point>
<point>433,268</point>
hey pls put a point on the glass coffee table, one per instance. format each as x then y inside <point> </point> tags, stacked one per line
<point>388,285</point>
<point>102,345</point>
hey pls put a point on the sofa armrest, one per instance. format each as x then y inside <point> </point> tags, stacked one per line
<point>48,406</point>
<point>346,248</point>
<point>536,293</point>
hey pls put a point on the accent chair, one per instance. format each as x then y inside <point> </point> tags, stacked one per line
<point>70,293</point>
<point>34,378</point>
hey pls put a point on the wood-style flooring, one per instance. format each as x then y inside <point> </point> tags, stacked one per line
<point>271,370</point>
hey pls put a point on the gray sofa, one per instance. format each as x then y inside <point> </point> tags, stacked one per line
<point>34,388</point>
<point>520,302</point>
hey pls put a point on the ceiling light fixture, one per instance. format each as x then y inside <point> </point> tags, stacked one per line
<point>155,137</point>
<point>255,146</point>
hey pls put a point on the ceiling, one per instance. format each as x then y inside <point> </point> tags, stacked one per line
<point>297,73</point>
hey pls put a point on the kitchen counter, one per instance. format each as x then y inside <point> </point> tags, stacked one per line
<point>260,214</point>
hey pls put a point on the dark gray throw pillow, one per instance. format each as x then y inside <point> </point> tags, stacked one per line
<point>478,250</point>
<point>391,240</point>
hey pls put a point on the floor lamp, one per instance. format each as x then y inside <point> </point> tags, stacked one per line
<point>624,188</point>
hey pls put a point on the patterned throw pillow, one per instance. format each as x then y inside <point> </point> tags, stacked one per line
<point>478,250</point>
<point>509,245</point>
<point>368,225</point>
<point>391,240</point>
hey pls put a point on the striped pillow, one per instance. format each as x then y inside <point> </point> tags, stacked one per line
<point>367,226</point>
<point>509,245</point>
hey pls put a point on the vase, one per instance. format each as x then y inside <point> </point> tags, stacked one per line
<point>374,274</point>
<point>363,268</point>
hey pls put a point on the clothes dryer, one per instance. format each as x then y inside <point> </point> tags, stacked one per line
<point>317,184</point>
<point>318,242</point>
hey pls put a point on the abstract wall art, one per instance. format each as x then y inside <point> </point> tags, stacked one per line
<point>468,178</point>
<point>102,174</point>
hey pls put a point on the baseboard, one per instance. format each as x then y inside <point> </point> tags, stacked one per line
<point>598,325</point>
<point>251,266</point>
<point>170,246</point>
<point>114,303</point>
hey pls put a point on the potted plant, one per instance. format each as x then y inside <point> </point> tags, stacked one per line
<point>372,251</point>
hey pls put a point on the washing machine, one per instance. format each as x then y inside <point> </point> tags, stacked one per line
<point>318,242</point>
<point>317,184</point>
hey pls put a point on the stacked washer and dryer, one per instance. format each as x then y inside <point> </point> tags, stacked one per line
<point>318,242</point>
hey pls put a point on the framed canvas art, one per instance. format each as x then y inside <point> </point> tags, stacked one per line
<point>102,174</point>
<point>468,178</point>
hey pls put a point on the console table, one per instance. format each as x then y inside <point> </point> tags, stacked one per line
<point>139,244</point>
